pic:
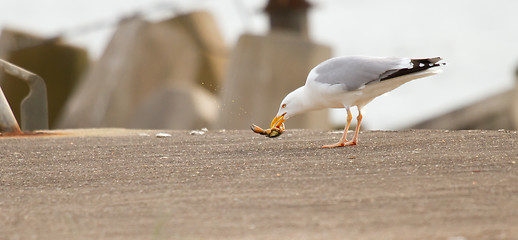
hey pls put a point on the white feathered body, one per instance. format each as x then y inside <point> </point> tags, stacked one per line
<point>354,81</point>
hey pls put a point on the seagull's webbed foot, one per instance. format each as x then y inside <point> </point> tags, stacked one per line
<point>343,141</point>
<point>341,144</point>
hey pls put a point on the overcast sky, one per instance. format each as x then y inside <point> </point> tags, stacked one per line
<point>476,38</point>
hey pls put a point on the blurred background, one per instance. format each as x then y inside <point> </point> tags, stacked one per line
<point>190,64</point>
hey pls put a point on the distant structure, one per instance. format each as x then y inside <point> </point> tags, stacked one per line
<point>289,15</point>
<point>514,106</point>
<point>495,112</point>
<point>162,75</point>
<point>263,69</point>
<point>61,65</point>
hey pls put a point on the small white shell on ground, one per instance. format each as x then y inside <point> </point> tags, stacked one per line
<point>163,135</point>
<point>197,132</point>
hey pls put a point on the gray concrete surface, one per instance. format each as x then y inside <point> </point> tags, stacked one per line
<point>122,184</point>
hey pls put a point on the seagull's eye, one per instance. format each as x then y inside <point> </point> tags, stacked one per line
<point>283,105</point>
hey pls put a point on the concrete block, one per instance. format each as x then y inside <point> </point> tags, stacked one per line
<point>181,106</point>
<point>141,60</point>
<point>494,112</point>
<point>263,70</point>
<point>59,64</point>
<point>201,27</point>
<point>514,104</point>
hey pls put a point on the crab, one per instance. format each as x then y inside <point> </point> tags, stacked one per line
<point>270,132</point>
<point>276,129</point>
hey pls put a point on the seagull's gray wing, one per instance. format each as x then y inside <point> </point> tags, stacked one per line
<point>356,72</point>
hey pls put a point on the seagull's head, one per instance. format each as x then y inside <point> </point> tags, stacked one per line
<point>291,105</point>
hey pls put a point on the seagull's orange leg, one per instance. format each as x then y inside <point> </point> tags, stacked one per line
<point>349,118</point>
<point>343,140</point>
<point>357,132</point>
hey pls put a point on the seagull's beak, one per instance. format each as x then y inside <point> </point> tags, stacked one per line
<point>278,121</point>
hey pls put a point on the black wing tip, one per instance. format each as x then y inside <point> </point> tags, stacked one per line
<point>436,60</point>
<point>418,65</point>
<point>425,63</point>
<point>432,59</point>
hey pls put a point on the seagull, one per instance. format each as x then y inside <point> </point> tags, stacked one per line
<point>345,82</point>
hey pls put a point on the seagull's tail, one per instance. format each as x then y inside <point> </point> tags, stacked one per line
<point>427,62</point>
<point>418,65</point>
